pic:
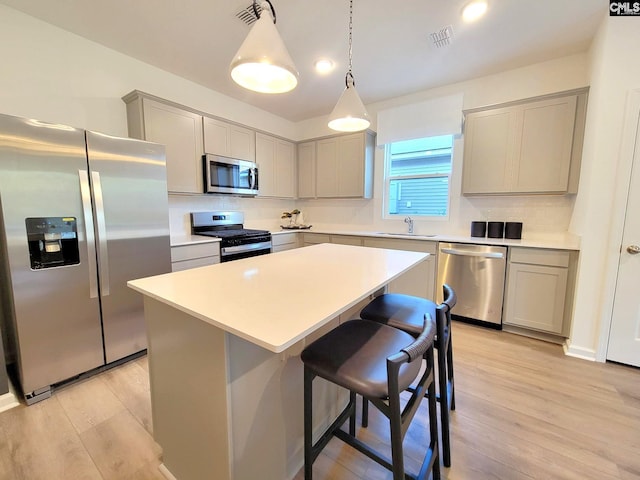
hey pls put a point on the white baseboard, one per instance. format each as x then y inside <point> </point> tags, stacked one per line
<point>579,352</point>
<point>8,400</point>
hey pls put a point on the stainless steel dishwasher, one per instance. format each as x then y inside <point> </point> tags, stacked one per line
<point>477,275</point>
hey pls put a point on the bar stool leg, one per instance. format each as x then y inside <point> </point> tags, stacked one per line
<point>433,420</point>
<point>364,420</point>
<point>308,425</point>
<point>450,373</point>
<point>395,423</point>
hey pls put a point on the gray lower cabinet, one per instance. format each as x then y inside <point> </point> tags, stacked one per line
<point>315,238</point>
<point>184,257</point>
<point>539,289</point>
<point>284,241</point>
<point>420,280</point>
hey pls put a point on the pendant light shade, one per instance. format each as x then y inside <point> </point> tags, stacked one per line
<point>263,63</point>
<point>349,114</point>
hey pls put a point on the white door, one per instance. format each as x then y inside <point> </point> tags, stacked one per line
<point>624,337</point>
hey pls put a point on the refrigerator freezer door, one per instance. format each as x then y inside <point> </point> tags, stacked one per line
<point>55,321</point>
<point>132,232</point>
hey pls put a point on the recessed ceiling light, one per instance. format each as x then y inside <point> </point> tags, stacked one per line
<point>474,10</point>
<point>323,66</point>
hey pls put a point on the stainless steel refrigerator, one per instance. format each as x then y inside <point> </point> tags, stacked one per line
<point>81,213</point>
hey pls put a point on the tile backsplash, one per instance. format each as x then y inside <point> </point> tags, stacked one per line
<point>540,214</point>
<point>258,212</point>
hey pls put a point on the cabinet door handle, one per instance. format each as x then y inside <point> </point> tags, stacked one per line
<point>633,249</point>
<point>466,253</point>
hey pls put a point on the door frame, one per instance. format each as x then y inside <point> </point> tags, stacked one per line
<point>631,132</point>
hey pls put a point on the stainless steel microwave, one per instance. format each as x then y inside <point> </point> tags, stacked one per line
<point>229,175</point>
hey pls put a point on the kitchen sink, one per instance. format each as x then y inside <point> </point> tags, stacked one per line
<point>395,234</point>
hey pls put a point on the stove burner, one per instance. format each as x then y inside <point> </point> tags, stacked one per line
<point>235,240</point>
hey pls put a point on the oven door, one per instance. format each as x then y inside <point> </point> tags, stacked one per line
<point>229,175</point>
<point>237,252</point>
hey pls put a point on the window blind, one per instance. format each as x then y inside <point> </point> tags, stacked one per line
<point>430,118</point>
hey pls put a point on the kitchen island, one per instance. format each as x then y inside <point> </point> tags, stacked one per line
<point>224,344</point>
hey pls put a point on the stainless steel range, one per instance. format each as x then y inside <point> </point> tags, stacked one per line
<point>235,241</point>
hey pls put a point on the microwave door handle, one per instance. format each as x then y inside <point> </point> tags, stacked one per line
<point>253,178</point>
<point>85,195</point>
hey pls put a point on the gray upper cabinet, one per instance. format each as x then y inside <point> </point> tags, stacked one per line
<point>307,170</point>
<point>343,166</point>
<point>178,129</point>
<point>229,140</point>
<point>525,148</point>
<point>276,159</point>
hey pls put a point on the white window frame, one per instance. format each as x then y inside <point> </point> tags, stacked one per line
<point>387,185</point>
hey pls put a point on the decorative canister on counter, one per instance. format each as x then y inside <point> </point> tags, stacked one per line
<point>496,230</point>
<point>513,230</point>
<point>478,229</point>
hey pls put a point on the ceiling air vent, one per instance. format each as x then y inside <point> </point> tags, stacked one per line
<point>442,38</point>
<point>248,15</point>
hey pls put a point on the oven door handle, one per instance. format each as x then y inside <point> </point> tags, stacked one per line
<point>466,253</point>
<point>245,248</point>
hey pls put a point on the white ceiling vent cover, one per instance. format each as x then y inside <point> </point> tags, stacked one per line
<point>442,38</point>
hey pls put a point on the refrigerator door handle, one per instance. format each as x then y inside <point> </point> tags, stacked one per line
<point>101,232</point>
<point>85,193</point>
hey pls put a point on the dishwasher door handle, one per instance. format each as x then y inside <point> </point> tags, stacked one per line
<point>466,253</point>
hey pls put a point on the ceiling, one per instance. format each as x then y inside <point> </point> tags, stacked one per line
<point>392,51</point>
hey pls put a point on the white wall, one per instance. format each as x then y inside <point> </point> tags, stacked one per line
<point>53,75</point>
<point>539,214</point>
<point>599,213</point>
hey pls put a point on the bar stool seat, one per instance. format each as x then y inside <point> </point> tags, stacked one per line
<point>378,362</point>
<point>405,312</point>
<point>359,363</point>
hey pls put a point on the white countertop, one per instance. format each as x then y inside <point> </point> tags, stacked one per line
<point>566,241</point>
<point>182,240</point>
<point>556,241</point>
<point>276,300</point>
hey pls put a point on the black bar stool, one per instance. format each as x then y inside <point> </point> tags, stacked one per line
<point>405,312</point>
<point>378,362</point>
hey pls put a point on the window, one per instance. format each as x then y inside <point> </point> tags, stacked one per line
<point>417,176</point>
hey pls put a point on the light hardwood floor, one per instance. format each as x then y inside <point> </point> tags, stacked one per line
<point>524,411</point>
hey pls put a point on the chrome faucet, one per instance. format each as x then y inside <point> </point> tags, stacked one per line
<point>409,221</point>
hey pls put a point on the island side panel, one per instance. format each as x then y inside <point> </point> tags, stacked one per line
<point>267,407</point>
<point>189,394</point>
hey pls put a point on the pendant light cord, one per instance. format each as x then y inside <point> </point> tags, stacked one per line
<point>349,72</point>
<point>257,13</point>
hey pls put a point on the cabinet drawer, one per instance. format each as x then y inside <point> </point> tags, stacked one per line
<point>194,263</point>
<point>311,238</point>
<point>284,239</point>
<point>199,250</point>
<point>398,244</point>
<point>346,240</point>
<point>539,256</point>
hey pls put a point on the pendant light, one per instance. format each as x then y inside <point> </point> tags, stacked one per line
<point>263,63</point>
<point>349,114</point>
